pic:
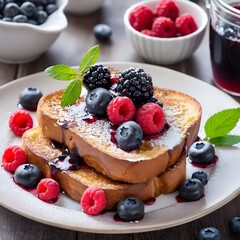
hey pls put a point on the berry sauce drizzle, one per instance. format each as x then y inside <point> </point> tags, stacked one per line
<point>150,201</point>
<point>157,135</point>
<point>181,200</point>
<point>66,161</point>
<point>205,165</point>
<point>88,118</point>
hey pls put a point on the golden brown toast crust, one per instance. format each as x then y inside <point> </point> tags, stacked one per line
<point>40,152</point>
<point>137,166</point>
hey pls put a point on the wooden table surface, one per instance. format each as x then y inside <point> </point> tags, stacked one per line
<point>68,49</point>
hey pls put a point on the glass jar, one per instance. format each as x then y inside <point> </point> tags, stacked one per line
<point>225,44</point>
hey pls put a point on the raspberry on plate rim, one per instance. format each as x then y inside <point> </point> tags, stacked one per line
<point>48,189</point>
<point>20,121</point>
<point>12,158</point>
<point>93,200</point>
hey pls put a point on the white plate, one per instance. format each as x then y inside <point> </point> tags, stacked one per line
<point>224,177</point>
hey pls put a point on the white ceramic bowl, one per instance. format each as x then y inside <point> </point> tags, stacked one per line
<point>83,7</point>
<point>24,42</point>
<point>165,51</point>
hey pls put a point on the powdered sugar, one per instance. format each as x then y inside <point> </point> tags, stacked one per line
<point>101,130</point>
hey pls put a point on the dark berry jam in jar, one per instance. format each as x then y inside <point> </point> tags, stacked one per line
<point>225,44</point>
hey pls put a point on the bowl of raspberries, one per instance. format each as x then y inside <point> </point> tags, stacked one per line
<point>165,31</point>
<point>29,27</point>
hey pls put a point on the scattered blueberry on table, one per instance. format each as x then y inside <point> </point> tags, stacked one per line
<point>209,233</point>
<point>102,31</point>
<point>33,12</point>
<point>234,225</point>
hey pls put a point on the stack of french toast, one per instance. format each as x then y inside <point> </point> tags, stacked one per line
<point>79,152</point>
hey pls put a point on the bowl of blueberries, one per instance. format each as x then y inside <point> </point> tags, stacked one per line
<point>29,27</point>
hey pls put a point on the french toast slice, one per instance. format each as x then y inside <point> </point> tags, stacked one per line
<point>94,144</point>
<point>41,152</point>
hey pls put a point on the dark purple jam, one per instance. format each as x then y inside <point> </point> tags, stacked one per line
<point>205,165</point>
<point>225,52</point>
<point>150,201</point>
<point>181,200</point>
<point>67,161</point>
<point>157,135</point>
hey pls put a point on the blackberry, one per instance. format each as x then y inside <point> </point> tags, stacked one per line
<point>155,100</point>
<point>135,84</point>
<point>97,76</point>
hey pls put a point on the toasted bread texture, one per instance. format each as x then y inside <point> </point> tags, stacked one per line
<point>93,140</point>
<point>41,152</point>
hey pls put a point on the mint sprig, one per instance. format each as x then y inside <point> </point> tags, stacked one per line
<point>66,73</point>
<point>218,127</point>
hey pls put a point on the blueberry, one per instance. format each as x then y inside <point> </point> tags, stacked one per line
<point>202,176</point>
<point>97,101</point>
<point>129,135</point>
<point>155,100</point>
<point>20,18</point>
<point>29,98</point>
<point>39,2</point>
<point>31,21</point>
<point>50,8</point>
<point>234,225</point>
<point>2,4</point>
<point>130,209</point>
<point>102,31</point>
<point>27,175</point>
<point>201,152</point>
<point>209,233</point>
<point>41,17</point>
<point>51,1</point>
<point>7,19</point>
<point>28,9</point>
<point>191,189</point>
<point>11,10</point>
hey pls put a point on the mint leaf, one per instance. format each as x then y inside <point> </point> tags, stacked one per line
<point>61,72</point>
<point>227,140</point>
<point>89,59</point>
<point>66,73</point>
<point>71,93</point>
<point>221,123</point>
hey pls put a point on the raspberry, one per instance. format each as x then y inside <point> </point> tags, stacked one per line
<point>185,24</point>
<point>12,158</point>
<point>149,33</point>
<point>114,80</point>
<point>20,121</point>
<point>141,17</point>
<point>151,118</point>
<point>93,200</point>
<point>167,8</point>
<point>120,110</point>
<point>48,189</point>
<point>164,27</point>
